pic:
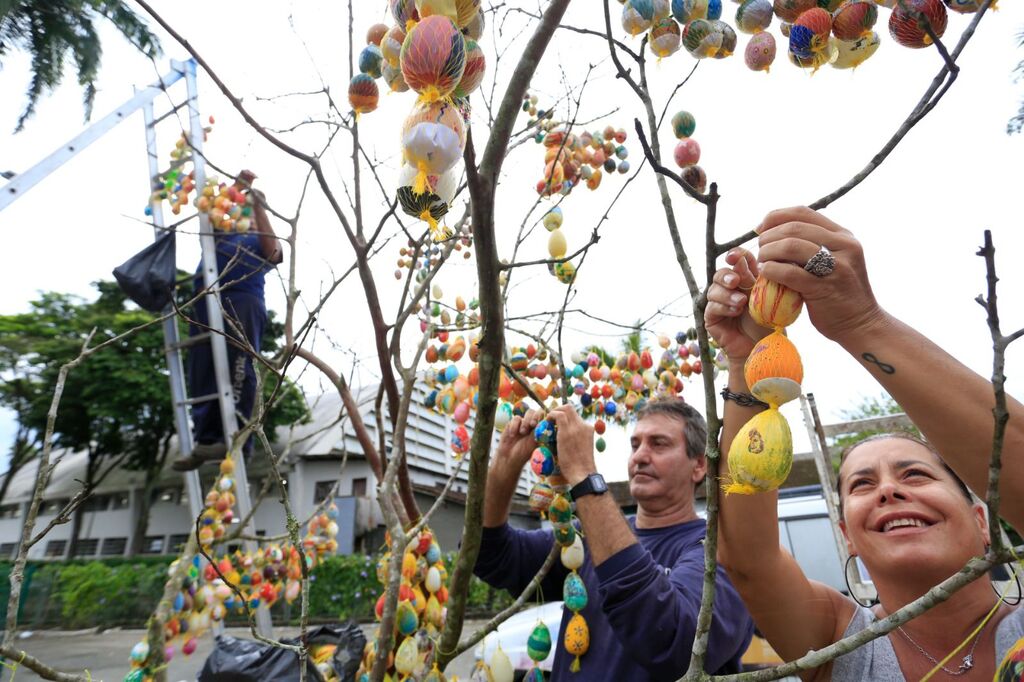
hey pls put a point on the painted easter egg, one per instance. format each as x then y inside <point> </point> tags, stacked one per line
<point>541,496</point>
<point>637,16</point>
<point>577,639</point>
<point>695,175</point>
<point>754,16</point>
<point>665,38</point>
<point>761,454</point>
<point>855,52</point>
<point>687,152</point>
<point>473,75</point>
<point>788,10</point>
<point>433,57</point>
<point>572,556</point>
<point>683,124</point>
<point>363,94</point>
<point>906,22</point>
<point>574,592</point>
<point>854,19</point>
<point>538,645</point>
<point>560,510</point>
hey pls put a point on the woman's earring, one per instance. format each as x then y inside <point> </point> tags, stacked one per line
<point>846,575</point>
<point>1002,597</point>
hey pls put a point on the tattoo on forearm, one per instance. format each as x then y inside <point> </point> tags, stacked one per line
<point>885,367</point>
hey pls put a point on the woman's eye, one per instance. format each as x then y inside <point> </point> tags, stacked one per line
<point>857,483</point>
<point>915,472</point>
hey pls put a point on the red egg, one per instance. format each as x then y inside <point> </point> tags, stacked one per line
<point>687,152</point>
<point>433,57</point>
<point>906,22</point>
<point>817,20</point>
<point>853,19</point>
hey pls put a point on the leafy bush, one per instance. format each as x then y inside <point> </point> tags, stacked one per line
<point>120,591</point>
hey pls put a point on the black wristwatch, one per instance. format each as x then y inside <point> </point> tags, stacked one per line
<point>591,485</point>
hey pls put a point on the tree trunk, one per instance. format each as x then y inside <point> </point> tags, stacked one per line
<point>76,520</point>
<point>146,503</point>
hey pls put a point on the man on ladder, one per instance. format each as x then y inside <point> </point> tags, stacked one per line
<point>243,259</point>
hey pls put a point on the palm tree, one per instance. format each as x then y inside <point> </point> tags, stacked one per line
<point>50,29</point>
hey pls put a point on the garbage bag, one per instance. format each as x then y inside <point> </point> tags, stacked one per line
<point>148,276</point>
<point>242,660</point>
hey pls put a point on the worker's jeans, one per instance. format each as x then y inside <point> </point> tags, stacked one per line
<point>241,310</point>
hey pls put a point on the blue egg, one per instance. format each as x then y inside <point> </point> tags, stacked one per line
<point>574,592</point>
<point>578,371</point>
<point>451,372</point>
<point>609,408</point>
<point>585,400</point>
<point>370,61</point>
<point>431,400</point>
<point>714,9</point>
<point>800,38</point>
<point>179,601</point>
<point>545,432</point>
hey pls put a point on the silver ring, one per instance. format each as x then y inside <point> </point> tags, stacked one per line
<point>822,263</point>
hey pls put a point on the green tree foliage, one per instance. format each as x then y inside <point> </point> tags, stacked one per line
<point>52,30</point>
<point>873,406</point>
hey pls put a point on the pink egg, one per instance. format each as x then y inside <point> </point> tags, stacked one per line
<point>687,152</point>
<point>461,413</point>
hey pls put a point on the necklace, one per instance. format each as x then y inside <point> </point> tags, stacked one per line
<point>965,664</point>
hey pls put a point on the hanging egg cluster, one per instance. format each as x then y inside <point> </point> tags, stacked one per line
<point>839,33</point>
<point>612,391</point>
<point>761,454</point>
<point>419,615</point>
<point>687,151</point>
<point>431,49</point>
<point>572,159</point>
<point>421,259</point>
<point>228,207</point>
<point>242,579</point>
<point>558,245</point>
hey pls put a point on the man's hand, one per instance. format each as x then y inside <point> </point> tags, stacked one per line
<point>516,445</point>
<point>726,316</point>
<point>245,178</point>
<point>514,450</point>
<point>575,444</point>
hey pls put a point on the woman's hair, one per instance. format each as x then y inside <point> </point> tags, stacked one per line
<point>904,436</point>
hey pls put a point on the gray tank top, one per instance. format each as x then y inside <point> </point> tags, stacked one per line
<point>876,660</point>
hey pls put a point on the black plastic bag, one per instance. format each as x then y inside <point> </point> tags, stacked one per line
<point>148,276</point>
<point>242,660</point>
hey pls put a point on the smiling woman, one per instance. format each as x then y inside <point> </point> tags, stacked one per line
<point>906,513</point>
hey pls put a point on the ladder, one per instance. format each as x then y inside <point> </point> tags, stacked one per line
<point>173,345</point>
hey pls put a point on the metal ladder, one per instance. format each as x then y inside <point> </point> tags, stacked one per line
<point>23,182</point>
<point>173,345</point>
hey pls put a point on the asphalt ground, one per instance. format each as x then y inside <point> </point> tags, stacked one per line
<point>105,654</point>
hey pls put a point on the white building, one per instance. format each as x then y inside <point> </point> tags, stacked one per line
<point>317,456</point>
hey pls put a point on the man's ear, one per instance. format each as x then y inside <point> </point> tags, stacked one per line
<point>700,469</point>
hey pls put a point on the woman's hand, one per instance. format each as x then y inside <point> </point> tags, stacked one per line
<point>726,317</point>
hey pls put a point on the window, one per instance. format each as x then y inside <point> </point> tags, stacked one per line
<point>86,547</point>
<point>96,503</point>
<point>322,490</point>
<point>358,487</point>
<point>7,550</point>
<point>167,495</point>
<point>10,511</point>
<point>153,544</point>
<point>176,542</point>
<point>114,546</point>
<point>120,501</point>
<point>53,506</point>
<point>56,548</point>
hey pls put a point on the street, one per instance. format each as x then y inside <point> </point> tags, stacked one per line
<point>105,655</point>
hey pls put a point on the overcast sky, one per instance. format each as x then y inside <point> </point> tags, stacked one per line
<point>769,140</point>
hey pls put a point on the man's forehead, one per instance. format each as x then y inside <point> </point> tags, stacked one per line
<point>659,424</point>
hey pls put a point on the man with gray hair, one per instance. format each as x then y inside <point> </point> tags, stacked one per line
<point>643,574</point>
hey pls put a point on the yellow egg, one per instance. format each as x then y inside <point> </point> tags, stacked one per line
<point>557,246</point>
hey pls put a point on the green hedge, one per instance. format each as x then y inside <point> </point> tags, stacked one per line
<point>123,592</point>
